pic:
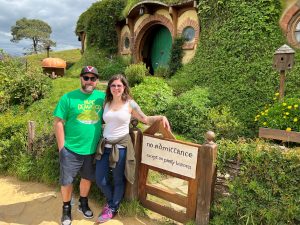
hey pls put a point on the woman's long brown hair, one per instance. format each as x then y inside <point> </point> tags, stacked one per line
<point>126,94</point>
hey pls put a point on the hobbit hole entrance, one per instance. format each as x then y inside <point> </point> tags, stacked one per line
<point>155,47</point>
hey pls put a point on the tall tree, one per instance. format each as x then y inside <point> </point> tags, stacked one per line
<point>36,30</point>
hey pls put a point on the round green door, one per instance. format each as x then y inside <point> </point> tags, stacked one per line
<point>161,48</point>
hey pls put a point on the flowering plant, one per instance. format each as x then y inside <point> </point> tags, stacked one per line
<point>284,115</point>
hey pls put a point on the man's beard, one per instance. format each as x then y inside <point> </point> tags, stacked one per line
<point>87,88</point>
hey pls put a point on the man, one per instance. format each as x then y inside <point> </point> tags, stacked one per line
<point>78,127</point>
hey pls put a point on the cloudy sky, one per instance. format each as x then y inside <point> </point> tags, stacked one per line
<point>61,15</point>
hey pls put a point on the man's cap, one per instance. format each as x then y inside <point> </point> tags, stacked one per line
<point>89,69</point>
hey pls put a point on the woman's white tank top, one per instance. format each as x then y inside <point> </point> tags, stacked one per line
<point>116,122</point>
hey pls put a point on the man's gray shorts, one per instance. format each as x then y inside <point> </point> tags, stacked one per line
<point>72,163</point>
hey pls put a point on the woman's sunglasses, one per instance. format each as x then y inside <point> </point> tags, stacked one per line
<point>116,85</point>
<point>86,78</point>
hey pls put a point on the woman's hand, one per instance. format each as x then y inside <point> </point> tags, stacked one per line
<point>166,123</point>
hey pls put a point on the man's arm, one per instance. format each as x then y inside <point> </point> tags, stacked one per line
<point>59,132</point>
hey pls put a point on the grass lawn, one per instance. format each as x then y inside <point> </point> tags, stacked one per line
<point>70,56</point>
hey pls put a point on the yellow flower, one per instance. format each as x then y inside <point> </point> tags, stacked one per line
<point>284,117</point>
<point>287,113</point>
<point>284,104</point>
<point>255,119</point>
<point>295,119</point>
<point>276,94</point>
<point>274,98</point>
<point>264,123</point>
<point>262,113</point>
<point>296,106</point>
<point>289,107</point>
<point>257,116</point>
<point>266,110</point>
<point>288,129</point>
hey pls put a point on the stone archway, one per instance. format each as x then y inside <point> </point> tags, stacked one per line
<point>144,31</point>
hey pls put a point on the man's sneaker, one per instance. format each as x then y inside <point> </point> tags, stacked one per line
<point>107,214</point>
<point>66,218</point>
<point>84,208</point>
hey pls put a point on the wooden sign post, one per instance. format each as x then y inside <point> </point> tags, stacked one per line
<point>180,160</point>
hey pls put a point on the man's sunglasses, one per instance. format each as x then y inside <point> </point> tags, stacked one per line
<point>86,78</point>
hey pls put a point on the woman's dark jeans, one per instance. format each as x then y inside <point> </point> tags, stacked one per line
<point>112,192</point>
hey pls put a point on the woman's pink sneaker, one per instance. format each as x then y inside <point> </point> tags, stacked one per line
<point>107,214</point>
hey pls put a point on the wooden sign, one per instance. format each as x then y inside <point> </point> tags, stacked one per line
<point>193,163</point>
<point>179,158</point>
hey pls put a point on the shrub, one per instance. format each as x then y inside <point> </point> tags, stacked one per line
<point>10,151</point>
<point>115,66</point>
<point>223,122</point>
<point>161,71</point>
<point>21,86</point>
<point>48,164</point>
<point>188,113</point>
<point>107,65</point>
<point>284,115</point>
<point>24,167</point>
<point>176,56</point>
<point>135,73</point>
<point>153,95</point>
<point>28,88</point>
<point>266,189</point>
<point>12,139</point>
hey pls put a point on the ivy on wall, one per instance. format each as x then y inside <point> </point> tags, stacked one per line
<point>99,23</point>
<point>131,3</point>
<point>234,57</point>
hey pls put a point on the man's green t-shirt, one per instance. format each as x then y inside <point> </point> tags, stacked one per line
<point>82,114</point>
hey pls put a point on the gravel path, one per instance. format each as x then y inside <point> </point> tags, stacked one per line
<point>30,203</point>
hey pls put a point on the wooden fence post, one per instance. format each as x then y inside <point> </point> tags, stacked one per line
<point>31,135</point>
<point>131,191</point>
<point>207,163</point>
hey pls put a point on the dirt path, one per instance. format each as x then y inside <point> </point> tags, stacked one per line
<point>30,203</point>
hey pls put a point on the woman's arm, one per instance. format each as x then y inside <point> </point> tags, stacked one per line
<point>138,113</point>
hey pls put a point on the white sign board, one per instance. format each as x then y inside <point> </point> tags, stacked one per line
<point>170,156</point>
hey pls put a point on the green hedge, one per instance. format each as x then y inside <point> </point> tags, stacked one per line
<point>135,73</point>
<point>153,95</point>
<point>267,189</point>
<point>188,114</point>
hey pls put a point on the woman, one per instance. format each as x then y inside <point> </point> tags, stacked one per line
<point>115,149</point>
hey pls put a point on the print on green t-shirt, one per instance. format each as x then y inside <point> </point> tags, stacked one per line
<point>82,114</point>
<point>89,113</point>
